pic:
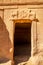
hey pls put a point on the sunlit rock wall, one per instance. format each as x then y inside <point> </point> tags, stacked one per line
<point>20,1</point>
<point>5,37</point>
<point>7,27</point>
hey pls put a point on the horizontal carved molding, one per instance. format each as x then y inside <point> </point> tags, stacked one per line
<point>28,3</point>
<point>24,20</point>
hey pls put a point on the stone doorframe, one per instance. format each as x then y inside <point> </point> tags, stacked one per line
<point>33,34</point>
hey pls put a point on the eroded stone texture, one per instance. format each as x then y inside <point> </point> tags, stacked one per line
<point>20,1</point>
<point>7,30</point>
<point>5,42</point>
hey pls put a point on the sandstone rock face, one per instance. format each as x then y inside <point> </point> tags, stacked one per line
<point>19,1</point>
<point>5,42</point>
<point>7,30</point>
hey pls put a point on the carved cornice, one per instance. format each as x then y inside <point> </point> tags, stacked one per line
<point>35,20</point>
<point>28,3</point>
<point>24,20</point>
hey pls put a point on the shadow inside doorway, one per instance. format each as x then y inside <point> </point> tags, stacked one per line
<point>22,42</point>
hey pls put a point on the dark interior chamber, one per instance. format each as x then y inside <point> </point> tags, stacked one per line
<point>22,40</point>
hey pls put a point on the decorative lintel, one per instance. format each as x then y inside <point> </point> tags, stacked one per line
<point>24,20</point>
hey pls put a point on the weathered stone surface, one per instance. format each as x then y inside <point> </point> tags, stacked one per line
<point>4,36</point>
<point>34,60</point>
<point>19,1</point>
<point>14,12</point>
<point>5,42</point>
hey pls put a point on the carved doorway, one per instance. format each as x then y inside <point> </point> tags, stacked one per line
<point>22,41</point>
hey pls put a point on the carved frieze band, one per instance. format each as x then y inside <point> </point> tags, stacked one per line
<point>24,14</point>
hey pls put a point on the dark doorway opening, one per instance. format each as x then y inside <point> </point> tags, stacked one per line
<point>22,42</point>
